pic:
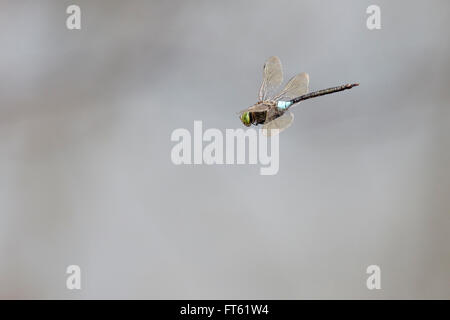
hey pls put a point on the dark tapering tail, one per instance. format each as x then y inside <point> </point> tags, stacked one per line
<point>323,92</point>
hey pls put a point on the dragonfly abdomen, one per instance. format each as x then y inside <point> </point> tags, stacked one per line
<point>323,92</point>
<point>283,104</point>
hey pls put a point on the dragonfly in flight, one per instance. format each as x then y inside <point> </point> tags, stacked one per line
<point>272,109</point>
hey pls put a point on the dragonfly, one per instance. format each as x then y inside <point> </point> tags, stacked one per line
<point>272,110</point>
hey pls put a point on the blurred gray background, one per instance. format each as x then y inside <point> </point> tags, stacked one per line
<point>86,176</point>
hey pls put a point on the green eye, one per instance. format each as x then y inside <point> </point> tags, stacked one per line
<point>245,118</point>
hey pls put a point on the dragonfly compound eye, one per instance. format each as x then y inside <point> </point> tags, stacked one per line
<point>245,118</point>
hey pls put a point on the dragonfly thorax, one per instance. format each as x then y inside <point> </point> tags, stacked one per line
<point>269,103</point>
<point>258,117</point>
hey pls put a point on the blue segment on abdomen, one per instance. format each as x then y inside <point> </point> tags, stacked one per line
<point>283,104</point>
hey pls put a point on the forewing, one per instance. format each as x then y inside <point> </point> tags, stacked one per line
<point>296,87</point>
<point>272,78</point>
<point>279,123</point>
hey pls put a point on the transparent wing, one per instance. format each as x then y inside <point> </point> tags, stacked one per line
<point>296,87</point>
<point>279,123</point>
<point>272,78</point>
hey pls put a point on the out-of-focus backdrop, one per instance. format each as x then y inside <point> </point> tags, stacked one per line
<point>86,176</point>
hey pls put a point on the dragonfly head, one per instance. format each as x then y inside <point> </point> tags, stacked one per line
<point>246,119</point>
